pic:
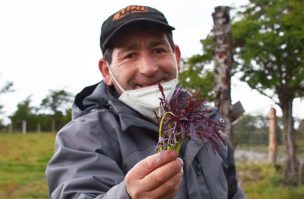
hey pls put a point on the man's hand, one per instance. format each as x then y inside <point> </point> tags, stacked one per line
<point>155,177</point>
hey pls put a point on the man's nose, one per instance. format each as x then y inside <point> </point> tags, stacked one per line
<point>148,66</point>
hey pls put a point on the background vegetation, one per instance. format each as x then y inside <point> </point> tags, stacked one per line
<point>54,111</point>
<point>22,163</point>
<point>267,51</point>
<point>23,158</point>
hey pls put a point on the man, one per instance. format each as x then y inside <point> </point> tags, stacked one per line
<point>108,149</point>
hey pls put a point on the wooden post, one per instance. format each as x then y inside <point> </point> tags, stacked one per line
<point>272,147</point>
<point>24,126</point>
<point>222,66</point>
<point>53,125</point>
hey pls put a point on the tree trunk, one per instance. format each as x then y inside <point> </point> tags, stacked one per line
<point>222,66</point>
<point>291,169</point>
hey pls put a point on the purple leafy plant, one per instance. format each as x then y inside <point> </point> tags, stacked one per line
<point>185,117</point>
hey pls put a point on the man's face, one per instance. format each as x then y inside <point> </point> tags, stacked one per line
<point>143,58</point>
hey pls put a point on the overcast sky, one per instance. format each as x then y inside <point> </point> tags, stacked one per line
<point>54,44</point>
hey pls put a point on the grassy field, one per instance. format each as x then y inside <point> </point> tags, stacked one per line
<point>22,164</point>
<point>23,159</point>
<point>263,181</point>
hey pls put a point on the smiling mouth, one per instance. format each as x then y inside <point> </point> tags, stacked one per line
<point>137,86</point>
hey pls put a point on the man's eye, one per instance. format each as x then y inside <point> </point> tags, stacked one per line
<point>159,50</point>
<point>130,56</point>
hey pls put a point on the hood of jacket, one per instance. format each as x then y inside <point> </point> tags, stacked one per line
<point>101,96</point>
<point>91,97</point>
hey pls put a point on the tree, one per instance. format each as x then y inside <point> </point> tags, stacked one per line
<point>197,75</point>
<point>270,54</point>
<point>7,87</point>
<point>222,66</point>
<point>24,112</point>
<point>58,103</point>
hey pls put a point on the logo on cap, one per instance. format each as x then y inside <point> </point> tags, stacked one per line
<point>127,10</point>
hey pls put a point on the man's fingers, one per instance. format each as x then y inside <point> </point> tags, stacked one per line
<point>151,173</point>
<point>162,174</point>
<point>168,188</point>
<point>149,164</point>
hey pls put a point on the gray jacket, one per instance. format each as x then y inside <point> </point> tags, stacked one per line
<point>106,139</point>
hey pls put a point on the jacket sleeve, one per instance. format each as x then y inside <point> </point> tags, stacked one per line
<point>84,166</point>
<point>235,191</point>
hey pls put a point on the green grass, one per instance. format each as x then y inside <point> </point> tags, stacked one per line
<point>263,181</point>
<point>22,163</point>
<point>23,159</point>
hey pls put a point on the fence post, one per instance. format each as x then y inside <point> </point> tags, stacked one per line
<point>24,126</point>
<point>272,147</point>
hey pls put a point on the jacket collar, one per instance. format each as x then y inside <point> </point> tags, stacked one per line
<point>100,96</point>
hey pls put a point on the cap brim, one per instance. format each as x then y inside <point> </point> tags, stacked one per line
<point>118,28</point>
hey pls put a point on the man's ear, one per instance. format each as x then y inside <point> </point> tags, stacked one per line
<point>104,70</point>
<point>178,57</point>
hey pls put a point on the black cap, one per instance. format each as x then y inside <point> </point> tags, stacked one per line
<point>127,15</point>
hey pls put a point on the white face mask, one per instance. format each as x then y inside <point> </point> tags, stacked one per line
<point>146,100</point>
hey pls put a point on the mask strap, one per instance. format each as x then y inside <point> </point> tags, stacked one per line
<point>177,72</point>
<point>115,80</point>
